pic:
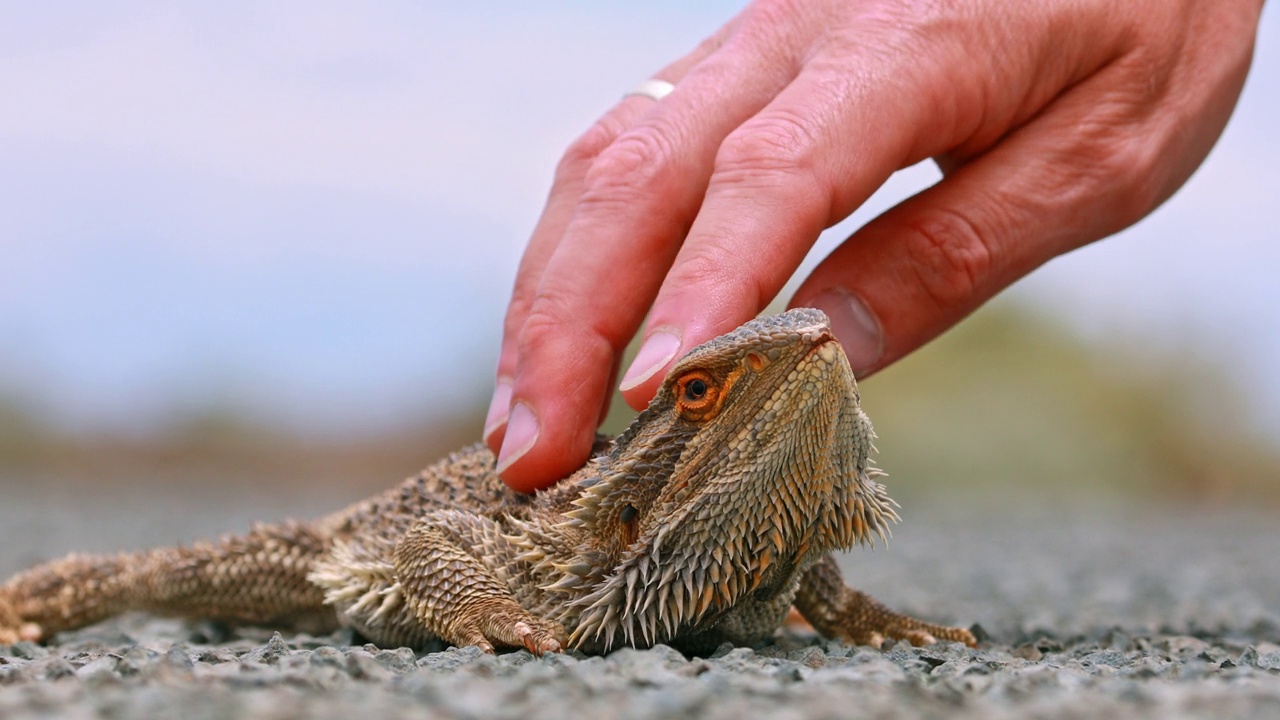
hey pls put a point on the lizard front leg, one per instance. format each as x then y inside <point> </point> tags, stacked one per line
<point>837,610</point>
<point>441,567</point>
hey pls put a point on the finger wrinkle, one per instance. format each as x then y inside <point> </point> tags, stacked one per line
<point>713,268</point>
<point>636,168</point>
<point>553,320</point>
<point>949,256</point>
<point>781,30</point>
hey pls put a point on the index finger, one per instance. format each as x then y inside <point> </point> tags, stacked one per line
<point>638,200</point>
<point>779,180</point>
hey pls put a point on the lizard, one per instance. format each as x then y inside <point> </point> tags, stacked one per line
<point>704,522</point>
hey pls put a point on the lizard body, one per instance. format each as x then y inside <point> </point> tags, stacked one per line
<point>715,511</point>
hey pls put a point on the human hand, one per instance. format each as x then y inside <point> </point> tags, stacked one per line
<point>1055,123</point>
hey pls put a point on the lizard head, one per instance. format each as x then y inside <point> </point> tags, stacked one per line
<point>751,462</point>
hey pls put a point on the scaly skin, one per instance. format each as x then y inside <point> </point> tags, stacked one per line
<point>715,511</point>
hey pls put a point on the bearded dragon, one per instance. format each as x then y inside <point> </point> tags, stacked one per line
<point>704,522</point>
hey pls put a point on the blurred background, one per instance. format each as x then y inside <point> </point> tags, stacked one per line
<point>259,254</point>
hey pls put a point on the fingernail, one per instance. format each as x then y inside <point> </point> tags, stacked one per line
<point>654,355</point>
<point>522,433</point>
<point>855,327</point>
<point>499,408</point>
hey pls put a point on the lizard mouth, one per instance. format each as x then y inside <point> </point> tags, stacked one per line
<point>825,346</point>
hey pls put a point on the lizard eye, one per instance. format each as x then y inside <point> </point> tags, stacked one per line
<point>697,396</point>
<point>628,513</point>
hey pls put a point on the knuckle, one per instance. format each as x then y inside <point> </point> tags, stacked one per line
<point>1122,155</point>
<point>776,143</point>
<point>561,339</point>
<point>517,312</point>
<point>948,255</point>
<point>547,318</point>
<point>714,270</point>
<point>1139,185</point>
<point>555,316</point>
<point>702,266</point>
<point>582,152</point>
<point>634,163</point>
<point>1124,172</point>
<point>767,17</point>
<point>524,292</point>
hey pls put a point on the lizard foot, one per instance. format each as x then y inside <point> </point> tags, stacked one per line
<point>916,634</point>
<point>536,636</point>
<point>867,622</point>
<point>536,641</point>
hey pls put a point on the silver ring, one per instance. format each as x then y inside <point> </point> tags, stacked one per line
<point>653,88</point>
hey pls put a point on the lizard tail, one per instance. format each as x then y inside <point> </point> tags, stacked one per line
<point>256,578</point>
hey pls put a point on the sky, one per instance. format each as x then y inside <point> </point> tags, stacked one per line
<point>313,211</point>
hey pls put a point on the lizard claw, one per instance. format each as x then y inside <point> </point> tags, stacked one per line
<point>868,622</point>
<point>527,634</point>
<point>933,634</point>
<point>916,636</point>
<point>30,632</point>
<point>535,641</point>
<point>919,638</point>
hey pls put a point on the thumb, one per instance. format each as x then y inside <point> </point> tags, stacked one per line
<point>921,267</point>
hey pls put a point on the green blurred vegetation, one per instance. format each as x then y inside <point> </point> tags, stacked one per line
<point>1009,401</point>
<point>1013,399</point>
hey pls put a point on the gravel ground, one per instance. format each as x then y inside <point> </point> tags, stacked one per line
<point>1090,610</point>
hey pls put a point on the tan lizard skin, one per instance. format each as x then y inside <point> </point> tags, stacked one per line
<point>702,523</point>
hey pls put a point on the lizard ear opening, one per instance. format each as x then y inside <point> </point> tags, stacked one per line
<point>630,529</point>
